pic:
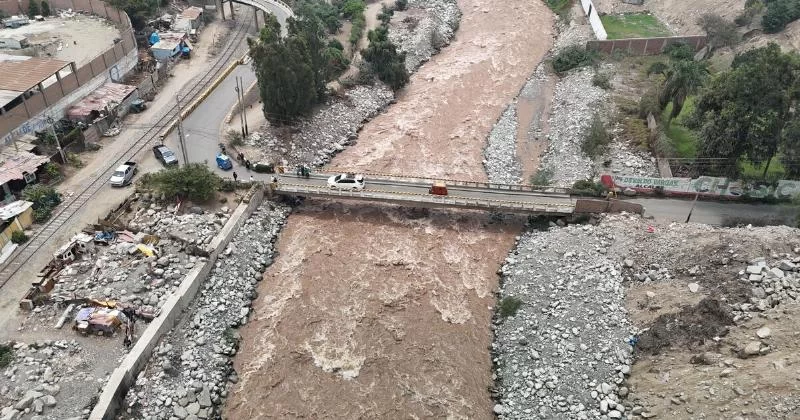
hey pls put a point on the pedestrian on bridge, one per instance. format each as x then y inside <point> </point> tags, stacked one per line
<point>247,164</point>
<point>235,177</point>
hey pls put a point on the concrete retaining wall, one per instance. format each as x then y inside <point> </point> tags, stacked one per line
<point>124,376</point>
<point>645,46</point>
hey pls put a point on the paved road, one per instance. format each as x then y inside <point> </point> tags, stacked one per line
<point>712,212</point>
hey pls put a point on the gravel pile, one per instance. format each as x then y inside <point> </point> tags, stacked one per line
<point>31,384</point>
<point>315,140</point>
<point>188,375</point>
<point>500,156</point>
<point>574,33</point>
<point>564,353</point>
<point>575,102</point>
<point>422,35</point>
<point>623,159</point>
<point>120,272</point>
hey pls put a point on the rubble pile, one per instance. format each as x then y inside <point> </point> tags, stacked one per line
<point>188,375</point>
<point>121,271</point>
<point>625,160</point>
<point>770,285</point>
<point>575,102</point>
<point>500,156</point>
<point>31,384</point>
<point>422,35</point>
<point>565,352</point>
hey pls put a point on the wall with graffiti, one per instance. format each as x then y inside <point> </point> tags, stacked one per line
<point>705,186</point>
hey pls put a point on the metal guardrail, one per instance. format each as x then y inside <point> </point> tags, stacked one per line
<point>439,200</point>
<point>455,182</point>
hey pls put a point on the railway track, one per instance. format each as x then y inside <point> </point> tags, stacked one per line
<point>70,207</point>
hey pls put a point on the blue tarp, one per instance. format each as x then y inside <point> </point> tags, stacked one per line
<point>154,38</point>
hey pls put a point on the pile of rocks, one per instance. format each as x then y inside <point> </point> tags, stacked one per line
<point>575,102</point>
<point>422,35</point>
<point>576,32</point>
<point>188,375</point>
<point>32,380</point>
<point>769,285</point>
<point>564,352</point>
<point>625,160</point>
<point>120,272</point>
<point>500,156</point>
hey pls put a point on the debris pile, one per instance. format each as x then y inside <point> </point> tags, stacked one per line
<point>427,27</point>
<point>188,375</point>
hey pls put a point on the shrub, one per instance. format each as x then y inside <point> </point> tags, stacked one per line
<point>334,43</point>
<point>509,306</point>
<point>779,13</point>
<point>33,8</point>
<point>588,187</point>
<point>44,199</point>
<point>597,137</point>
<point>357,30</point>
<point>6,355</point>
<point>680,51</point>
<point>389,64</point>
<point>74,160</point>
<point>544,176</point>
<point>648,104</point>
<point>385,16</point>
<point>573,57</point>
<point>719,31</point>
<point>227,185</point>
<point>602,80</point>
<point>194,181</point>
<point>19,237</point>
<point>52,170</point>
<point>657,68</point>
<point>353,8</point>
<point>234,137</point>
<point>42,215</point>
<point>401,4</point>
<point>264,168</point>
<point>45,8</point>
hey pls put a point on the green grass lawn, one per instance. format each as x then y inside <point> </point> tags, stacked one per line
<point>683,139</point>
<point>775,171</point>
<point>633,25</point>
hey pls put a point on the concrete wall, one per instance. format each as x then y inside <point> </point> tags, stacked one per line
<point>645,46</point>
<point>125,375</point>
<point>594,19</point>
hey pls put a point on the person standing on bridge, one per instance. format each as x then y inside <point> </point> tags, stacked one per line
<point>235,177</point>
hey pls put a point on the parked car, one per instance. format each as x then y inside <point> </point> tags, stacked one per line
<point>346,182</point>
<point>224,162</point>
<point>165,155</point>
<point>124,174</point>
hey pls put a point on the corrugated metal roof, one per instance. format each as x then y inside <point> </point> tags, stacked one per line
<point>14,209</point>
<point>100,99</point>
<point>13,168</point>
<point>23,75</point>
<point>7,96</point>
<point>191,13</point>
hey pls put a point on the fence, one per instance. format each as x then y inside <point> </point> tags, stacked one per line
<point>644,46</point>
<point>22,120</point>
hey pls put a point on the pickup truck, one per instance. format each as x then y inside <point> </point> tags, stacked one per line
<point>124,174</point>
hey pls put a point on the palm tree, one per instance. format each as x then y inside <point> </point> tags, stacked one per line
<point>683,78</point>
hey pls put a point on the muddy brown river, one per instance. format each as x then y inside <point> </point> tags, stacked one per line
<point>380,312</point>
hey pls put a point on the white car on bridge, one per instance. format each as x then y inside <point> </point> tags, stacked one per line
<point>351,182</point>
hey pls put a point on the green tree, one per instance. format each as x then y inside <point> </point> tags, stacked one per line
<point>45,8</point>
<point>385,60</point>
<point>790,149</point>
<point>137,10</point>
<point>353,8</point>
<point>779,13</point>
<point>284,68</point>
<point>193,181</point>
<point>44,199</point>
<point>683,78</point>
<point>33,8</point>
<point>748,111</point>
<point>401,4</point>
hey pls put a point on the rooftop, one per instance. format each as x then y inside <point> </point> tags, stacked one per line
<point>100,99</point>
<point>13,168</point>
<point>11,211</point>
<point>192,13</point>
<point>22,73</point>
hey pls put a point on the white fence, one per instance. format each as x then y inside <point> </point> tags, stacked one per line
<point>594,19</point>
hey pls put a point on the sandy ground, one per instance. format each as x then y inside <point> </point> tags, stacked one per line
<point>82,37</point>
<point>108,198</point>
<point>439,125</point>
<point>377,312</point>
<point>679,15</point>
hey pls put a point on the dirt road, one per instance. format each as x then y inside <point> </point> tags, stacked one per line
<point>376,312</point>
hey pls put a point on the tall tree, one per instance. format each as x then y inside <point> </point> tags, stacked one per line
<point>45,8</point>
<point>286,77</point>
<point>386,61</point>
<point>746,111</point>
<point>683,78</point>
<point>33,8</point>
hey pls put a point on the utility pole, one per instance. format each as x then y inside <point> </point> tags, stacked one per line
<point>52,127</point>
<point>181,139</point>
<point>246,128</point>
<point>689,216</point>
<point>241,109</point>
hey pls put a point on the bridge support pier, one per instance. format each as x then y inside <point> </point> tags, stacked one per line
<point>222,8</point>
<point>255,16</point>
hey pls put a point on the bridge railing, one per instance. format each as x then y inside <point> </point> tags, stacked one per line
<point>445,201</point>
<point>457,182</point>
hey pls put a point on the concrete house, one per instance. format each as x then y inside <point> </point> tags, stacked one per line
<point>170,44</point>
<point>14,42</point>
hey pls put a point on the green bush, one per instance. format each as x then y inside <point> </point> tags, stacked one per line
<point>779,13</point>
<point>264,168</point>
<point>659,67</point>
<point>45,8</point>
<point>385,16</point>
<point>194,181</point>
<point>389,64</point>
<point>19,237</point>
<point>6,355</point>
<point>679,51</point>
<point>42,215</point>
<point>648,104</point>
<point>602,80</point>
<point>33,8</point>
<point>542,177</point>
<point>52,170</point>
<point>509,306</point>
<point>588,187</point>
<point>234,137</point>
<point>401,4</point>
<point>44,199</point>
<point>573,57</point>
<point>227,185</point>
<point>597,137</point>
<point>357,30</point>
<point>334,43</point>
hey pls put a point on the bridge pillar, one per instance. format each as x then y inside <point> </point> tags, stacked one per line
<point>222,8</point>
<point>255,16</point>
<point>233,17</point>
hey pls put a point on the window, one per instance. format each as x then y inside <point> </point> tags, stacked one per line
<point>29,177</point>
